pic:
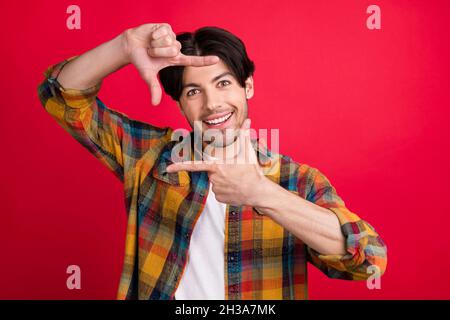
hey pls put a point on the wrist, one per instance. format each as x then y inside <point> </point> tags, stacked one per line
<point>263,191</point>
<point>123,48</point>
<point>271,198</point>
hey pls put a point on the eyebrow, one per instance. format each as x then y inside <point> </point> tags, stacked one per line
<point>227,73</point>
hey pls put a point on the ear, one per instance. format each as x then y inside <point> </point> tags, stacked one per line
<point>249,89</point>
<point>179,107</point>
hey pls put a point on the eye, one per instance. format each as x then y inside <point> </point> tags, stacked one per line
<point>224,83</point>
<point>191,92</point>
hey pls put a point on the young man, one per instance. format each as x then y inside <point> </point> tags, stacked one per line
<point>214,229</point>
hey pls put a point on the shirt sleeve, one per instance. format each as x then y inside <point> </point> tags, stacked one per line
<point>366,253</point>
<point>111,136</point>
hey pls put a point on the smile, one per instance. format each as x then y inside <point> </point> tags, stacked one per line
<point>220,120</point>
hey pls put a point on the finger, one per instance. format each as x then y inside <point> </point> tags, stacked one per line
<point>165,41</point>
<point>244,131</point>
<point>166,52</point>
<point>246,125</point>
<point>148,75</point>
<point>155,90</point>
<point>247,152</point>
<point>190,166</point>
<point>196,61</point>
<point>241,156</point>
<point>162,30</point>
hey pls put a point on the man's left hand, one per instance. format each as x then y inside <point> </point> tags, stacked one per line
<point>234,182</point>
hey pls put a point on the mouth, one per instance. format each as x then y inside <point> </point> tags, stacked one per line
<point>219,120</point>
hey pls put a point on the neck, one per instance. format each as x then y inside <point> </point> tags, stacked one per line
<point>221,153</point>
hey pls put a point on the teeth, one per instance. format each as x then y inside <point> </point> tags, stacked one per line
<point>219,120</point>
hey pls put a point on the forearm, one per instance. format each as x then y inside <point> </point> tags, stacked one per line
<point>317,227</point>
<point>91,67</point>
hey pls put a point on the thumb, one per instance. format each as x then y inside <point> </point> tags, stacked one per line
<point>244,132</point>
<point>246,124</point>
<point>141,61</point>
<point>247,153</point>
<point>155,89</point>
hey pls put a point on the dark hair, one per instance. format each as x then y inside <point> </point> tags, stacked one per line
<point>208,41</point>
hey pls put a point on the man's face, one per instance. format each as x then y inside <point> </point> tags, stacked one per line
<point>213,97</point>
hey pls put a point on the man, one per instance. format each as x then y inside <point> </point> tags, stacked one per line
<point>214,229</point>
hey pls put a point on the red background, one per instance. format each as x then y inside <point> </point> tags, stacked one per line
<point>369,108</point>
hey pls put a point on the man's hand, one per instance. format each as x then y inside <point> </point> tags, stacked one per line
<point>234,182</point>
<point>149,47</point>
<point>152,47</point>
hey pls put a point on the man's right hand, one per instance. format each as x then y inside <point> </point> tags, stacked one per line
<point>152,47</point>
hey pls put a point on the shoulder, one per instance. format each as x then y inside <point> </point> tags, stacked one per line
<point>300,169</point>
<point>296,175</point>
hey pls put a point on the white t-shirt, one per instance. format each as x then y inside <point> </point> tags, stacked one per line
<point>203,278</point>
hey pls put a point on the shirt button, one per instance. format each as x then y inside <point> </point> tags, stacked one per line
<point>231,258</point>
<point>233,212</point>
<point>186,235</point>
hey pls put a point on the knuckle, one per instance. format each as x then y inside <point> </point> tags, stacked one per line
<point>166,28</point>
<point>154,35</point>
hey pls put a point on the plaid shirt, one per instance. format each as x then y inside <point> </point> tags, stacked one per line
<point>262,259</point>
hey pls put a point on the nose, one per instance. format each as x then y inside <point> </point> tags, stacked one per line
<point>212,101</point>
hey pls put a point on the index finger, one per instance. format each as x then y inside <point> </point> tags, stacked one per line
<point>196,61</point>
<point>190,166</point>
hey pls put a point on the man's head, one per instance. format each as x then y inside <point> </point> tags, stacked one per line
<point>217,94</point>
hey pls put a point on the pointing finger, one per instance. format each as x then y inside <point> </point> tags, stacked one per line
<point>190,166</point>
<point>196,61</point>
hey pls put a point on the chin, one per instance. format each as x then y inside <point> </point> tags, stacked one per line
<point>223,139</point>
